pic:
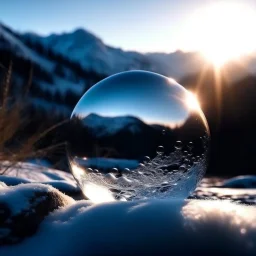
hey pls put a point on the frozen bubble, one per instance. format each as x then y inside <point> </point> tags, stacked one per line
<point>120,122</point>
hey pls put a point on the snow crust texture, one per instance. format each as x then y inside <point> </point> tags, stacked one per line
<point>147,227</point>
<point>23,207</point>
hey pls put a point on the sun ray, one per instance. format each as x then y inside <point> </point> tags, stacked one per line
<point>222,31</point>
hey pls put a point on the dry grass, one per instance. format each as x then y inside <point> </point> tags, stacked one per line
<point>11,122</point>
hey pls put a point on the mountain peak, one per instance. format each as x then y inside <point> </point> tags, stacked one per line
<point>78,38</point>
<point>82,34</point>
<point>80,45</point>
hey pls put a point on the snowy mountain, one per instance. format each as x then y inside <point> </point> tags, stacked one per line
<point>66,65</point>
<point>92,53</point>
<point>9,42</point>
<point>89,51</point>
<point>57,82</point>
<point>107,126</point>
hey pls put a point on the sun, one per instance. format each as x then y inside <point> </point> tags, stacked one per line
<point>223,31</point>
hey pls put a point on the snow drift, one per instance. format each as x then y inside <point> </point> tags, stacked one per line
<point>144,228</point>
<point>148,227</point>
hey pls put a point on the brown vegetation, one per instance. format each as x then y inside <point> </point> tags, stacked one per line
<point>12,121</point>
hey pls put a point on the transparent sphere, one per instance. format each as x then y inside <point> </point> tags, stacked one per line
<point>137,135</point>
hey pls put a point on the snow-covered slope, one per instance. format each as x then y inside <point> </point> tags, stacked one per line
<point>8,41</point>
<point>142,227</point>
<point>11,42</point>
<point>68,82</point>
<point>33,173</point>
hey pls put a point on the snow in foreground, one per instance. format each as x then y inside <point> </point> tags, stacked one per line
<point>149,227</point>
<point>157,227</point>
<point>32,173</point>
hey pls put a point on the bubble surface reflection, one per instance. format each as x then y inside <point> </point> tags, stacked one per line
<point>138,135</point>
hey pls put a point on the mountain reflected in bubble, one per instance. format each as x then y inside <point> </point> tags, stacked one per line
<point>138,135</point>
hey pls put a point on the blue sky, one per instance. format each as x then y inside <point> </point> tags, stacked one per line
<point>135,94</point>
<point>143,25</point>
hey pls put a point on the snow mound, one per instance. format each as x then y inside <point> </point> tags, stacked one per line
<point>246,181</point>
<point>23,207</point>
<point>2,185</point>
<point>63,186</point>
<point>34,172</point>
<point>18,197</point>
<point>13,181</point>
<point>152,227</point>
<point>23,173</point>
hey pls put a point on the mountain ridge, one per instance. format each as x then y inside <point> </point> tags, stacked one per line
<point>89,50</point>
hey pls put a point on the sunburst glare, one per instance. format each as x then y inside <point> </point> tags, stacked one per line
<point>192,101</point>
<point>221,31</point>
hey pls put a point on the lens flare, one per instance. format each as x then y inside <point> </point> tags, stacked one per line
<point>192,101</point>
<point>221,31</point>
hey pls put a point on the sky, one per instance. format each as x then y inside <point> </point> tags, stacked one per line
<point>135,94</point>
<point>142,25</point>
